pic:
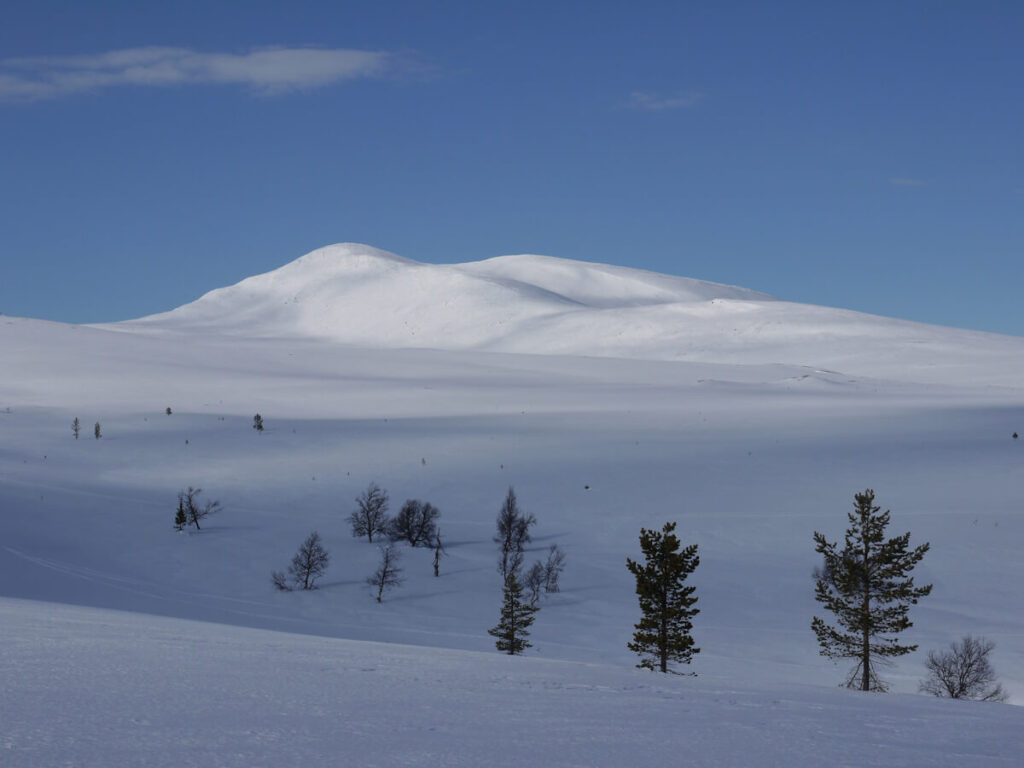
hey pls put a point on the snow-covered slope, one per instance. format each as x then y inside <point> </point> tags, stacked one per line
<point>750,451</point>
<point>99,688</point>
<point>361,296</point>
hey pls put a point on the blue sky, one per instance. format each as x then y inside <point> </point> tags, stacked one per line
<point>864,155</point>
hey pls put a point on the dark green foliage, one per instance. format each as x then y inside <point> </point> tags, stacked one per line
<point>866,586</point>
<point>516,618</point>
<point>257,423</point>
<point>180,518</point>
<point>76,427</point>
<point>96,431</point>
<point>663,632</point>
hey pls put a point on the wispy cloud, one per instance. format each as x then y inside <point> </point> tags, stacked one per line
<point>265,70</point>
<point>903,181</point>
<point>656,102</point>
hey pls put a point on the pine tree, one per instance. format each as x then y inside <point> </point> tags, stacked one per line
<point>867,587</point>
<point>76,427</point>
<point>96,432</point>
<point>516,618</point>
<point>257,423</point>
<point>663,632</point>
<point>180,517</point>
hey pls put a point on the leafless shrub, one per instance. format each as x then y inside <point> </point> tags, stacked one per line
<point>963,672</point>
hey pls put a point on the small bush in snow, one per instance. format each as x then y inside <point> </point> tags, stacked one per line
<point>963,672</point>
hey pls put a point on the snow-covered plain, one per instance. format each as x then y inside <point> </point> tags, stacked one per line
<point>645,398</point>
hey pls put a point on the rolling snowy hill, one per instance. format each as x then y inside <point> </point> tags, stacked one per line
<point>644,398</point>
<point>361,296</point>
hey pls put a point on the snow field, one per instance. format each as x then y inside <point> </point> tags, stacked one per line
<point>87,687</point>
<point>752,435</point>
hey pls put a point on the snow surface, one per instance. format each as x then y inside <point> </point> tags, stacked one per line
<point>752,440</point>
<point>362,296</point>
<point>84,687</point>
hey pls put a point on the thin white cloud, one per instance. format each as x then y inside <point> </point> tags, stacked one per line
<point>903,181</point>
<point>655,102</point>
<point>266,70</point>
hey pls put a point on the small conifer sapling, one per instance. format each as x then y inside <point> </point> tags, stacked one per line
<point>517,614</point>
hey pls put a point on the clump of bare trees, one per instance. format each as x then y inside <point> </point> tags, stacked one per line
<point>542,577</point>
<point>963,672</point>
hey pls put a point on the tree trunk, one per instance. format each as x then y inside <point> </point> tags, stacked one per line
<point>865,650</point>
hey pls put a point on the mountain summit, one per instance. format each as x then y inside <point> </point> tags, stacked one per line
<point>361,296</point>
<point>358,294</point>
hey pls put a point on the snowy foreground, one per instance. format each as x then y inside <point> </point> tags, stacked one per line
<point>749,421</point>
<point>88,687</point>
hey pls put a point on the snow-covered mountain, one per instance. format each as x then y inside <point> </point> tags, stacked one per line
<point>358,295</point>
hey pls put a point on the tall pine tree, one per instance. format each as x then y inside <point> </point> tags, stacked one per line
<point>516,618</point>
<point>867,587</point>
<point>663,633</point>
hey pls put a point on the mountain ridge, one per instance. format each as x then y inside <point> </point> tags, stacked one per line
<point>361,296</point>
